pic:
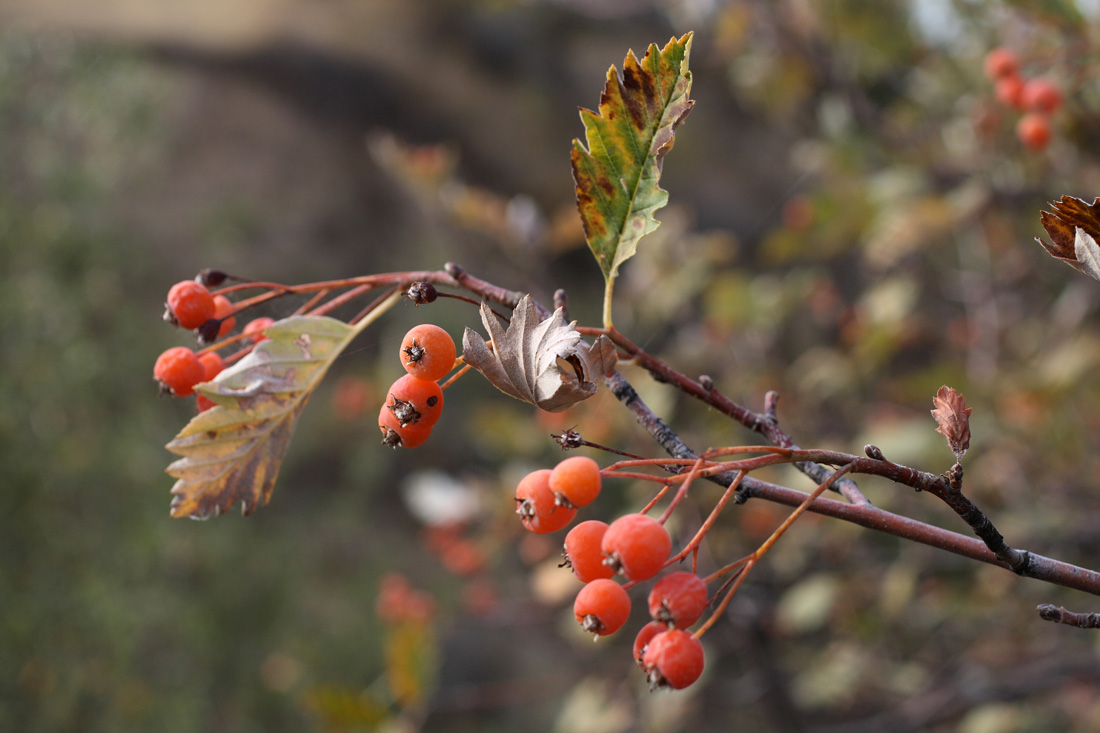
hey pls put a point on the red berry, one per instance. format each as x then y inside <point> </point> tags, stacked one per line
<point>1008,91</point>
<point>636,546</point>
<point>536,507</point>
<point>204,403</point>
<point>673,659</point>
<point>222,307</point>
<point>576,481</point>
<point>644,637</point>
<point>190,304</point>
<point>1033,129</point>
<point>1000,62</point>
<point>415,402</point>
<point>582,550</point>
<point>394,434</point>
<point>602,607</point>
<point>178,370</point>
<point>1040,95</point>
<point>255,329</point>
<point>212,365</point>
<point>678,599</point>
<point>427,352</point>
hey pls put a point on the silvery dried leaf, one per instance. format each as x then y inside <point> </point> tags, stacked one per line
<point>526,359</point>
<point>1088,253</point>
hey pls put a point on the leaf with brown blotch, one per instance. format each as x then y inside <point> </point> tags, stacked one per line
<point>1069,215</point>
<point>525,360</point>
<point>953,417</point>
<point>234,451</point>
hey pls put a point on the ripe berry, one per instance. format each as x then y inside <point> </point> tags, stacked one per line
<point>644,637</point>
<point>427,352</point>
<point>222,307</point>
<point>204,403</point>
<point>212,365</point>
<point>582,550</point>
<point>535,504</point>
<point>636,546</point>
<point>190,304</point>
<point>678,600</point>
<point>1033,129</point>
<point>1040,95</point>
<point>255,328</point>
<point>415,402</point>
<point>602,607</point>
<point>394,434</point>
<point>1000,62</point>
<point>576,481</point>
<point>178,370</point>
<point>673,659</point>
<point>1008,91</point>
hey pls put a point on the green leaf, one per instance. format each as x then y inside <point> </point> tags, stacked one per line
<point>617,174</point>
<point>235,450</point>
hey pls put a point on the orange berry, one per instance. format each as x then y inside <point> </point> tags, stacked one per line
<point>394,434</point>
<point>536,507</point>
<point>415,402</point>
<point>427,352</point>
<point>255,329</point>
<point>204,403</point>
<point>582,551</point>
<point>190,304</point>
<point>1001,62</point>
<point>602,607</point>
<point>1008,91</point>
<point>641,641</point>
<point>1040,95</point>
<point>673,659</point>
<point>576,481</point>
<point>212,365</point>
<point>1033,129</point>
<point>178,370</point>
<point>222,307</point>
<point>678,599</point>
<point>636,546</point>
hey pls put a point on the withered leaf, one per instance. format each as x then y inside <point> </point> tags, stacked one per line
<point>234,450</point>
<point>953,417</point>
<point>525,360</point>
<point>1088,254</point>
<point>1070,214</point>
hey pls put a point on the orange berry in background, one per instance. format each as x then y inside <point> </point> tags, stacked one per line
<point>178,370</point>
<point>673,659</point>
<point>190,304</point>
<point>1009,90</point>
<point>1001,62</point>
<point>212,365</point>
<point>1040,95</point>
<point>576,480</point>
<point>427,352</point>
<point>256,327</point>
<point>536,506</point>
<point>222,307</point>
<point>1033,129</point>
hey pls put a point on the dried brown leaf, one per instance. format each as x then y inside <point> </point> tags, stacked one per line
<point>526,359</point>
<point>1069,215</point>
<point>1088,254</point>
<point>953,417</point>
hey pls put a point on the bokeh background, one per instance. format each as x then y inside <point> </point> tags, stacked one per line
<point>851,223</point>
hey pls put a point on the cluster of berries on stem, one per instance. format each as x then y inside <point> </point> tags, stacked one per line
<point>1038,98</point>
<point>415,401</point>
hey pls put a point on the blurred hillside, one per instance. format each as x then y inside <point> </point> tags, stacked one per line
<point>851,224</point>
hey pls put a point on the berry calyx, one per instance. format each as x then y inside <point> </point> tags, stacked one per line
<point>1033,130</point>
<point>582,551</point>
<point>535,504</point>
<point>396,435</point>
<point>636,546</point>
<point>255,329</point>
<point>678,600</point>
<point>415,402</point>
<point>576,481</point>
<point>641,641</point>
<point>427,352</point>
<point>178,370</point>
<point>602,607</point>
<point>1040,95</point>
<point>189,304</point>
<point>673,659</point>
<point>1001,62</point>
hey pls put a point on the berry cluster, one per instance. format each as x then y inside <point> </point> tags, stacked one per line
<point>191,305</point>
<point>1038,98</point>
<point>635,546</point>
<point>415,401</point>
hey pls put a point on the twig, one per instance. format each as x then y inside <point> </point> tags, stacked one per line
<point>1058,614</point>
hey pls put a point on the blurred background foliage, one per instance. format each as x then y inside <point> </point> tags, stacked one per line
<point>851,224</point>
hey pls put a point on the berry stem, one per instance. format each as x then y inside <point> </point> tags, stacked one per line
<point>457,375</point>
